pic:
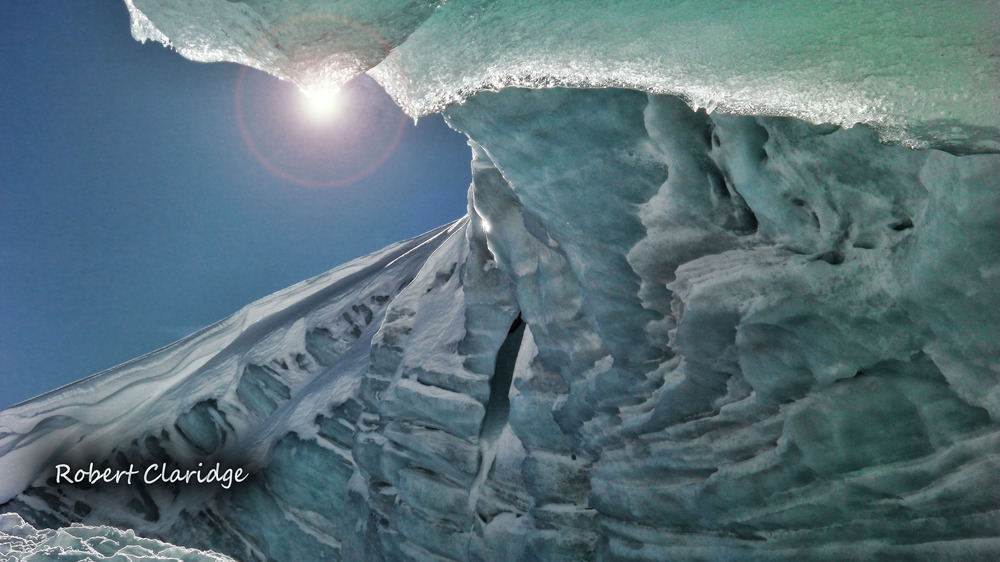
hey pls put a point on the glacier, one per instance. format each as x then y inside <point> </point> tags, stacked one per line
<point>728,289</point>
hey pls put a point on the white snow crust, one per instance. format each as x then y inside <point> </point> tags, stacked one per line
<point>21,542</point>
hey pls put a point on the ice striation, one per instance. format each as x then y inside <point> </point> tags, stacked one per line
<point>661,333</point>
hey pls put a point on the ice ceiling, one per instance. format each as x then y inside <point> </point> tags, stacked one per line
<point>924,73</point>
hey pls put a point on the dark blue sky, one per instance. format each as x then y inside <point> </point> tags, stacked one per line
<point>132,211</point>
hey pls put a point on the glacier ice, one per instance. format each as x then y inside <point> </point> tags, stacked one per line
<point>922,73</point>
<point>661,332</point>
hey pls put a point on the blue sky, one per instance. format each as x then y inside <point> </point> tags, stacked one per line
<point>133,212</point>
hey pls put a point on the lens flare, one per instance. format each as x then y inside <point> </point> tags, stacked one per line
<point>322,105</point>
<point>341,102</point>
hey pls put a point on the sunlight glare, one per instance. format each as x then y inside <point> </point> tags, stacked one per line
<point>322,105</point>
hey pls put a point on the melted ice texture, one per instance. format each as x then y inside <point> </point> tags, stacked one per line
<point>923,73</point>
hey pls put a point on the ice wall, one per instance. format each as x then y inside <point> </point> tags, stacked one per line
<point>923,73</point>
<point>734,353</point>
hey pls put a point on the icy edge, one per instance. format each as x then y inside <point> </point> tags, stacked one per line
<point>142,29</point>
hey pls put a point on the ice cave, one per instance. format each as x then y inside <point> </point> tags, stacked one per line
<point>728,289</point>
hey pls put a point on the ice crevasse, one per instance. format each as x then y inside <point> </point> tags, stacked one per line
<point>728,288</point>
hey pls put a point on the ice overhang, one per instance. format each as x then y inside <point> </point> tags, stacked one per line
<point>922,73</point>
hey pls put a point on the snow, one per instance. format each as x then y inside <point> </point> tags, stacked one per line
<point>183,400</point>
<point>22,542</point>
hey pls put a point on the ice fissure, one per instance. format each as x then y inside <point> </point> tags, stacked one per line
<point>660,333</point>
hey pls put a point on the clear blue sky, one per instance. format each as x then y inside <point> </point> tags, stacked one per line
<point>132,211</point>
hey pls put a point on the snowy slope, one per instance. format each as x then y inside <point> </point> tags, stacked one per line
<point>210,395</point>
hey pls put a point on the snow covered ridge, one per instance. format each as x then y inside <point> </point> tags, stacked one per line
<point>922,73</point>
<point>19,541</point>
<point>659,334</point>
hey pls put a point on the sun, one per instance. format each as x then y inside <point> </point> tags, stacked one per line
<point>322,105</point>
